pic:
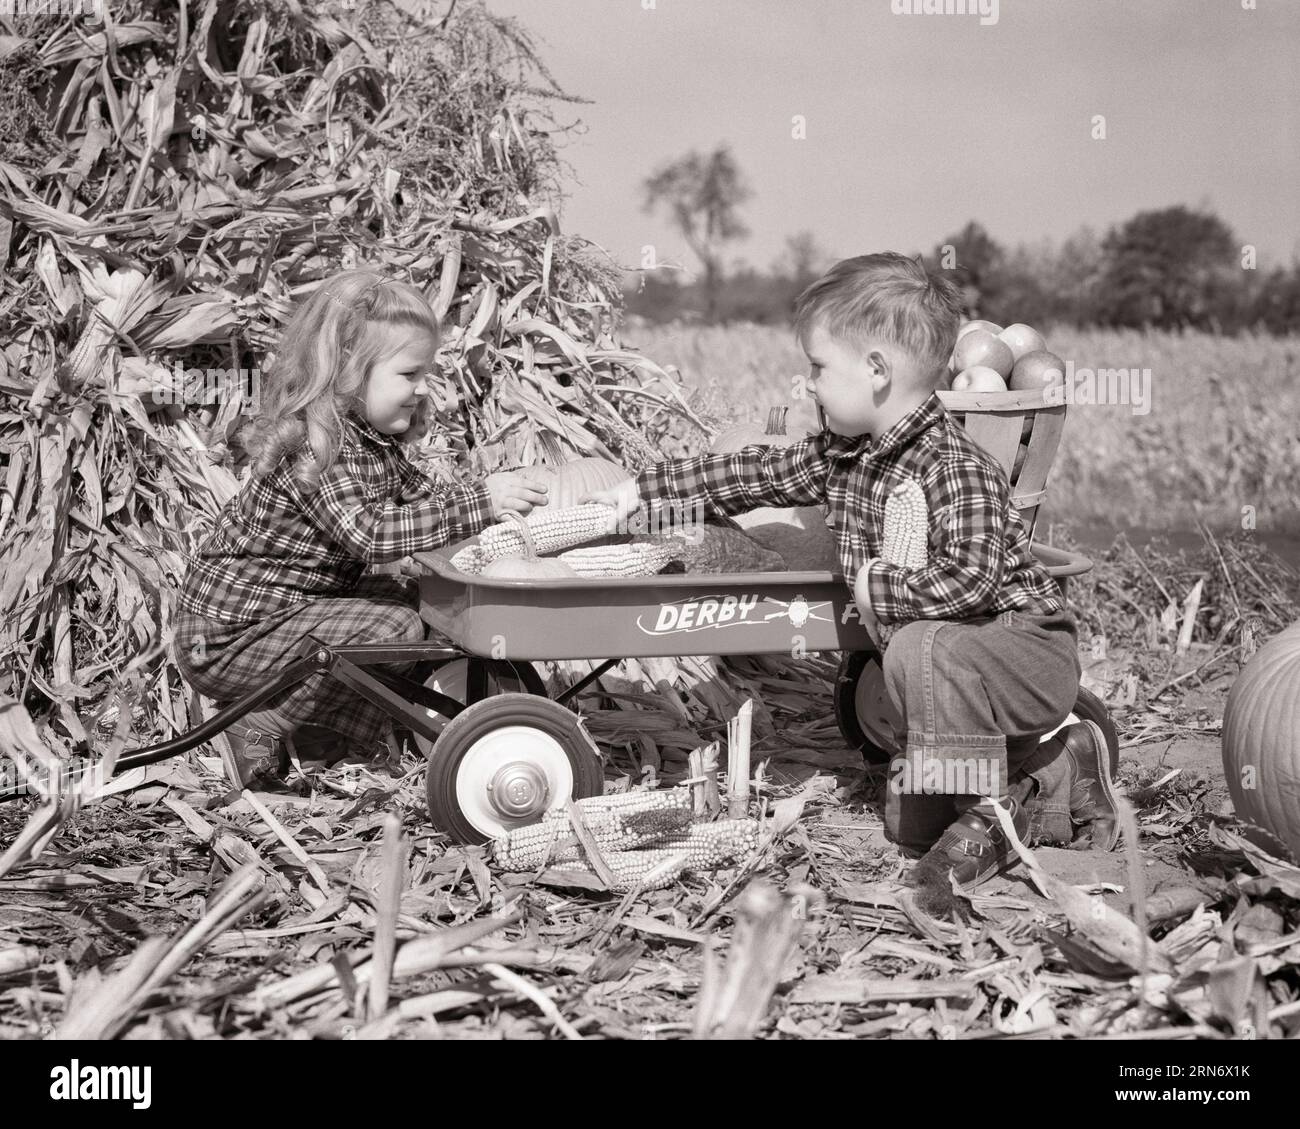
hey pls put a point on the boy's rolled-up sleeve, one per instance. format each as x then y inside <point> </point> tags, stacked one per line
<point>380,532</point>
<point>967,550</point>
<point>734,483</point>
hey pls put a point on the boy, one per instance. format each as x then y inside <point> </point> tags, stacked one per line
<point>981,658</point>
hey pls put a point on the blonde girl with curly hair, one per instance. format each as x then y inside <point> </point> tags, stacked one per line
<point>330,494</point>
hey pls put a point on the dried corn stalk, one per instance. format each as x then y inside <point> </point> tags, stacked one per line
<point>159,215</point>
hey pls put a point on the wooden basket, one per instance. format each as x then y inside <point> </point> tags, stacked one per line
<point>1000,422</point>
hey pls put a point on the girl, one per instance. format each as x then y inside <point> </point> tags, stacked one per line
<point>330,492</point>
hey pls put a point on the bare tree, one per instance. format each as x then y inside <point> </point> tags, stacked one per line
<point>803,258</point>
<point>702,193</point>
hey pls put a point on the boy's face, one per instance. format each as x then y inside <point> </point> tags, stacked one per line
<point>841,383</point>
<point>398,383</point>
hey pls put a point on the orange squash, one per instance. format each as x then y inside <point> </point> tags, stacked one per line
<point>1261,739</point>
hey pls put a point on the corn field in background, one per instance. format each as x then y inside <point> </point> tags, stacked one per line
<point>1220,435</point>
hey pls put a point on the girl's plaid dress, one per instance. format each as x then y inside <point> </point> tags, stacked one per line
<point>282,564</point>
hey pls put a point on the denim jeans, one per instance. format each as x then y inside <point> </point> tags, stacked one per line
<point>976,697</point>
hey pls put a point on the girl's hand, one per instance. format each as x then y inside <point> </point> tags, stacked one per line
<point>862,596</point>
<point>515,491</point>
<point>622,498</point>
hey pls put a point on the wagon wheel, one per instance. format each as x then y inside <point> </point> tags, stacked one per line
<point>869,722</point>
<point>451,677</point>
<point>866,717</point>
<point>504,762</point>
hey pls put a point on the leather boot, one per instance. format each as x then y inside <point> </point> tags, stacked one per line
<point>1075,790</point>
<point>256,755</point>
<point>1092,792</point>
<point>973,849</point>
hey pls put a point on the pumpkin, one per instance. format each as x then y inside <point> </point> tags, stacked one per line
<point>568,484</point>
<point>1261,739</point>
<point>749,434</point>
<point>530,566</point>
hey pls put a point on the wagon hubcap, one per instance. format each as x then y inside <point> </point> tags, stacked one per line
<point>511,776</point>
<point>519,790</point>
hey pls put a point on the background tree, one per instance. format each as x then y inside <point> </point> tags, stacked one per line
<point>1167,268</point>
<point>973,260</point>
<point>701,194</point>
<point>802,260</point>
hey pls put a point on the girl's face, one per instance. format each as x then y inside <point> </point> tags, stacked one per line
<point>398,383</point>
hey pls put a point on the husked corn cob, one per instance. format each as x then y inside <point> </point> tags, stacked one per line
<point>470,560</point>
<point>638,559</point>
<point>701,847</point>
<point>906,534</point>
<point>617,823</point>
<point>653,869</point>
<point>907,521</point>
<point>551,530</point>
<point>711,844</point>
<point>642,799</point>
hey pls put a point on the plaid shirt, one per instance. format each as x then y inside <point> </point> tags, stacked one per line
<point>980,562</point>
<point>274,545</point>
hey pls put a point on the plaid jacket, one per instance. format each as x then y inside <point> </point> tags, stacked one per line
<point>274,545</point>
<point>980,563</point>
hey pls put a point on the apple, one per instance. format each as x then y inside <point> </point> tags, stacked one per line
<point>1037,370</point>
<point>979,378</point>
<point>980,347</point>
<point>1022,339</point>
<point>988,326</point>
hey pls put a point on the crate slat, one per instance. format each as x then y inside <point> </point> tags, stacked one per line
<point>1044,440</point>
<point>998,434</point>
<point>997,422</point>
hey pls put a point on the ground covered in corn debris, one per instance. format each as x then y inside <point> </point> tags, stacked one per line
<point>177,909</point>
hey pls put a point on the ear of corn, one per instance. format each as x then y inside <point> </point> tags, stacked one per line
<point>712,844</point>
<point>644,837</point>
<point>469,560</point>
<point>617,823</point>
<point>907,520</point>
<point>703,846</point>
<point>906,534</point>
<point>637,559</point>
<point>651,869</point>
<point>551,530</point>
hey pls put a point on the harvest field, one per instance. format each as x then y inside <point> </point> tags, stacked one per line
<point>164,902</point>
<point>1220,434</point>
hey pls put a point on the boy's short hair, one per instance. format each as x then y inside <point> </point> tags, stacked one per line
<point>886,297</point>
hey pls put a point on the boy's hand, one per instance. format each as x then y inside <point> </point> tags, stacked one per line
<point>622,498</point>
<point>514,490</point>
<point>862,596</point>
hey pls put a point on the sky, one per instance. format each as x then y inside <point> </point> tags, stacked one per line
<point>917,123</point>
